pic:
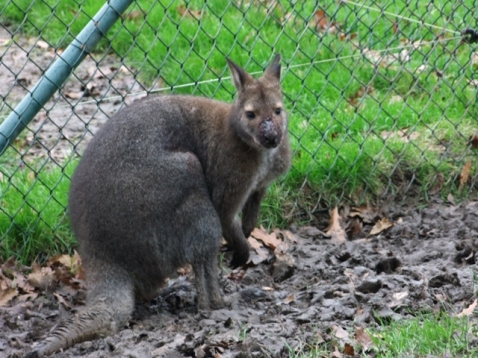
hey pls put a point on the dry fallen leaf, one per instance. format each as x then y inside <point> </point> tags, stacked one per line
<point>366,213</point>
<point>290,298</point>
<point>183,11</point>
<point>286,235</point>
<point>340,333</point>
<point>380,226</point>
<point>363,338</point>
<point>260,253</point>
<point>439,181</point>
<point>361,92</point>
<point>335,230</point>
<point>354,228</point>
<point>73,95</point>
<point>7,294</point>
<point>464,175</point>
<point>468,311</point>
<point>349,350</point>
<point>321,22</point>
<point>65,260</point>
<point>62,300</point>
<point>311,231</point>
<point>41,278</point>
<point>474,141</point>
<point>269,240</point>
<point>42,44</point>
<point>136,15</point>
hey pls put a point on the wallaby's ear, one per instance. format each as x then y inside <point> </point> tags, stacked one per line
<point>239,75</point>
<point>274,68</point>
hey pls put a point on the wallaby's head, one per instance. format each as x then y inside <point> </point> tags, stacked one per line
<point>259,116</point>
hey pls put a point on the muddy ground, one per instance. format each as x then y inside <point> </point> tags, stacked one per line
<point>304,289</point>
<point>303,286</point>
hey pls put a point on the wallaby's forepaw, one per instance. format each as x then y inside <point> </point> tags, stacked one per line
<point>239,259</point>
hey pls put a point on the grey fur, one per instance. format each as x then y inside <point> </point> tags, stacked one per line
<point>158,186</point>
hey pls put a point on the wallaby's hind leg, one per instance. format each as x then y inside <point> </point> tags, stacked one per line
<point>110,303</point>
<point>207,285</point>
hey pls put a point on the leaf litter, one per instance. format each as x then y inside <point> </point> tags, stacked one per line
<point>301,290</point>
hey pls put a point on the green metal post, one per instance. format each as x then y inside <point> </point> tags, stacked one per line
<point>57,74</point>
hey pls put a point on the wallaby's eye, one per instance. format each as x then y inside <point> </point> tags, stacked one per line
<point>278,111</point>
<point>250,115</point>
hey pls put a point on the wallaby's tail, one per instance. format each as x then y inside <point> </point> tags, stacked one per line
<point>103,315</point>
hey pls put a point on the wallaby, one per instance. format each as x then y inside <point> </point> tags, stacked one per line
<point>158,186</point>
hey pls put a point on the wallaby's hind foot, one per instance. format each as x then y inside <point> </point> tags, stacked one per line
<point>207,285</point>
<point>103,316</point>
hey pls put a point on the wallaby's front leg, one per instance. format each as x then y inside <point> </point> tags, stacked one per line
<point>250,212</point>
<point>232,232</point>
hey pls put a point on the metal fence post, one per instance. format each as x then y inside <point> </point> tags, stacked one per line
<point>61,69</point>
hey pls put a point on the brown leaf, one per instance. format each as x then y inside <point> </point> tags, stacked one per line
<point>349,350</point>
<point>363,338</point>
<point>41,278</point>
<point>62,300</point>
<point>183,11</point>
<point>290,298</point>
<point>269,240</point>
<point>474,141</point>
<point>440,180</point>
<point>65,260</point>
<point>397,299</point>
<point>468,311</point>
<point>354,228</point>
<point>311,231</point>
<point>286,235</point>
<point>395,27</point>
<point>42,44</point>
<point>361,92</point>
<point>321,22</point>
<point>73,95</point>
<point>7,294</point>
<point>236,275</point>
<point>465,174</point>
<point>367,214</point>
<point>380,226</point>
<point>343,36</point>
<point>335,230</point>
<point>135,15</point>
<point>340,333</point>
<point>9,264</point>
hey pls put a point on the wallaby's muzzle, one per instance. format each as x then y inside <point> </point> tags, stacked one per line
<point>270,133</point>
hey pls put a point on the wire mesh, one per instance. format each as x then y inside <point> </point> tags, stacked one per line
<point>381,95</point>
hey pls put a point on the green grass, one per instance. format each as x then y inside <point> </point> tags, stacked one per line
<point>426,335</point>
<point>33,221</point>
<point>340,148</point>
<point>432,335</point>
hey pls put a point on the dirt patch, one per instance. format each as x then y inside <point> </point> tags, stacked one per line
<point>97,90</point>
<point>303,287</point>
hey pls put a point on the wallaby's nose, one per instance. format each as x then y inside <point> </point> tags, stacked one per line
<point>272,139</point>
<point>270,133</point>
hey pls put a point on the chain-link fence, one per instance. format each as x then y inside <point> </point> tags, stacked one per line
<point>381,96</point>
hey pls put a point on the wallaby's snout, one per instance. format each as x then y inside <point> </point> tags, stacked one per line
<point>270,133</point>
